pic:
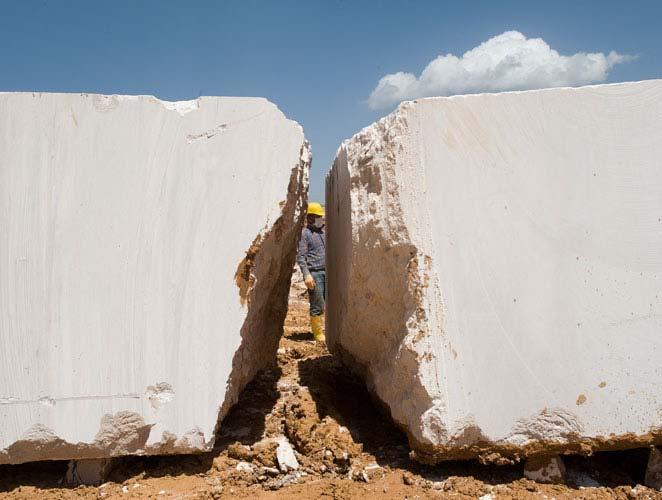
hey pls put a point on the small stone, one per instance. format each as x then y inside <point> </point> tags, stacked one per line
<point>408,479</point>
<point>244,467</point>
<point>653,477</point>
<point>239,451</point>
<point>270,471</point>
<point>545,470</point>
<point>87,472</point>
<point>284,385</point>
<point>285,454</point>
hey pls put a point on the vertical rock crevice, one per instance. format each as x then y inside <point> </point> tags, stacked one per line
<point>373,265</point>
<point>263,280</point>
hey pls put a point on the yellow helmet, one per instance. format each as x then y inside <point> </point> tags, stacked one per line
<point>315,209</point>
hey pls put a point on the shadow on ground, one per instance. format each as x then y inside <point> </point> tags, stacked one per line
<point>301,336</point>
<point>246,420</point>
<point>341,395</point>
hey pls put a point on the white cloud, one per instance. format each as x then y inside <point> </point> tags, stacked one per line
<point>509,61</point>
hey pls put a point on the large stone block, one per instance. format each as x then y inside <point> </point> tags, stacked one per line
<point>145,258</point>
<point>495,269</point>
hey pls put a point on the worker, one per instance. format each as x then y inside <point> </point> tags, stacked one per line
<point>311,258</point>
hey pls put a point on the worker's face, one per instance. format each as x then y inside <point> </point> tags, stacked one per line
<point>316,220</point>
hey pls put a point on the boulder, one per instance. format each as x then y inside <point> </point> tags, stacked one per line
<point>495,273</point>
<point>145,259</point>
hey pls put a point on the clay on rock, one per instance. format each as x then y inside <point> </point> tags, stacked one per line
<point>494,270</point>
<point>145,262</point>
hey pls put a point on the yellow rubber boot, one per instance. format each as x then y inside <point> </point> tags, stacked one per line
<point>317,326</point>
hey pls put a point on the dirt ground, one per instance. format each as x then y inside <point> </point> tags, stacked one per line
<point>345,447</point>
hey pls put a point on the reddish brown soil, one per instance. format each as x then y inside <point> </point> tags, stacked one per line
<point>346,448</point>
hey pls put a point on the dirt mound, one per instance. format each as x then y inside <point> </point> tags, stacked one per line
<point>343,445</point>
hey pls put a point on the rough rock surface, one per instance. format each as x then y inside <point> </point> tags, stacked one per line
<point>146,253</point>
<point>495,272</point>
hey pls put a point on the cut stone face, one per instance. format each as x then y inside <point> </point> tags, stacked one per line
<point>145,258</point>
<point>495,271</point>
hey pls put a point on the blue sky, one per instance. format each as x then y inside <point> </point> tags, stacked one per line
<point>318,61</point>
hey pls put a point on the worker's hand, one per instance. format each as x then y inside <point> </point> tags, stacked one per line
<point>309,281</point>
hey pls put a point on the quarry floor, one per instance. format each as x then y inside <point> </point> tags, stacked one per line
<point>346,449</point>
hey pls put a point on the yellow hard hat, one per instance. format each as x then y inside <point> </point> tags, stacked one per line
<point>315,209</point>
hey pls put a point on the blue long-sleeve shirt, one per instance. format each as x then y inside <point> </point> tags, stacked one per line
<point>312,250</point>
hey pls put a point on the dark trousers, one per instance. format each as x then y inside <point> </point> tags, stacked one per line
<point>317,295</point>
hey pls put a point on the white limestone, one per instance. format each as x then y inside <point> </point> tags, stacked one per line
<point>287,460</point>
<point>145,257</point>
<point>545,470</point>
<point>495,270</point>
